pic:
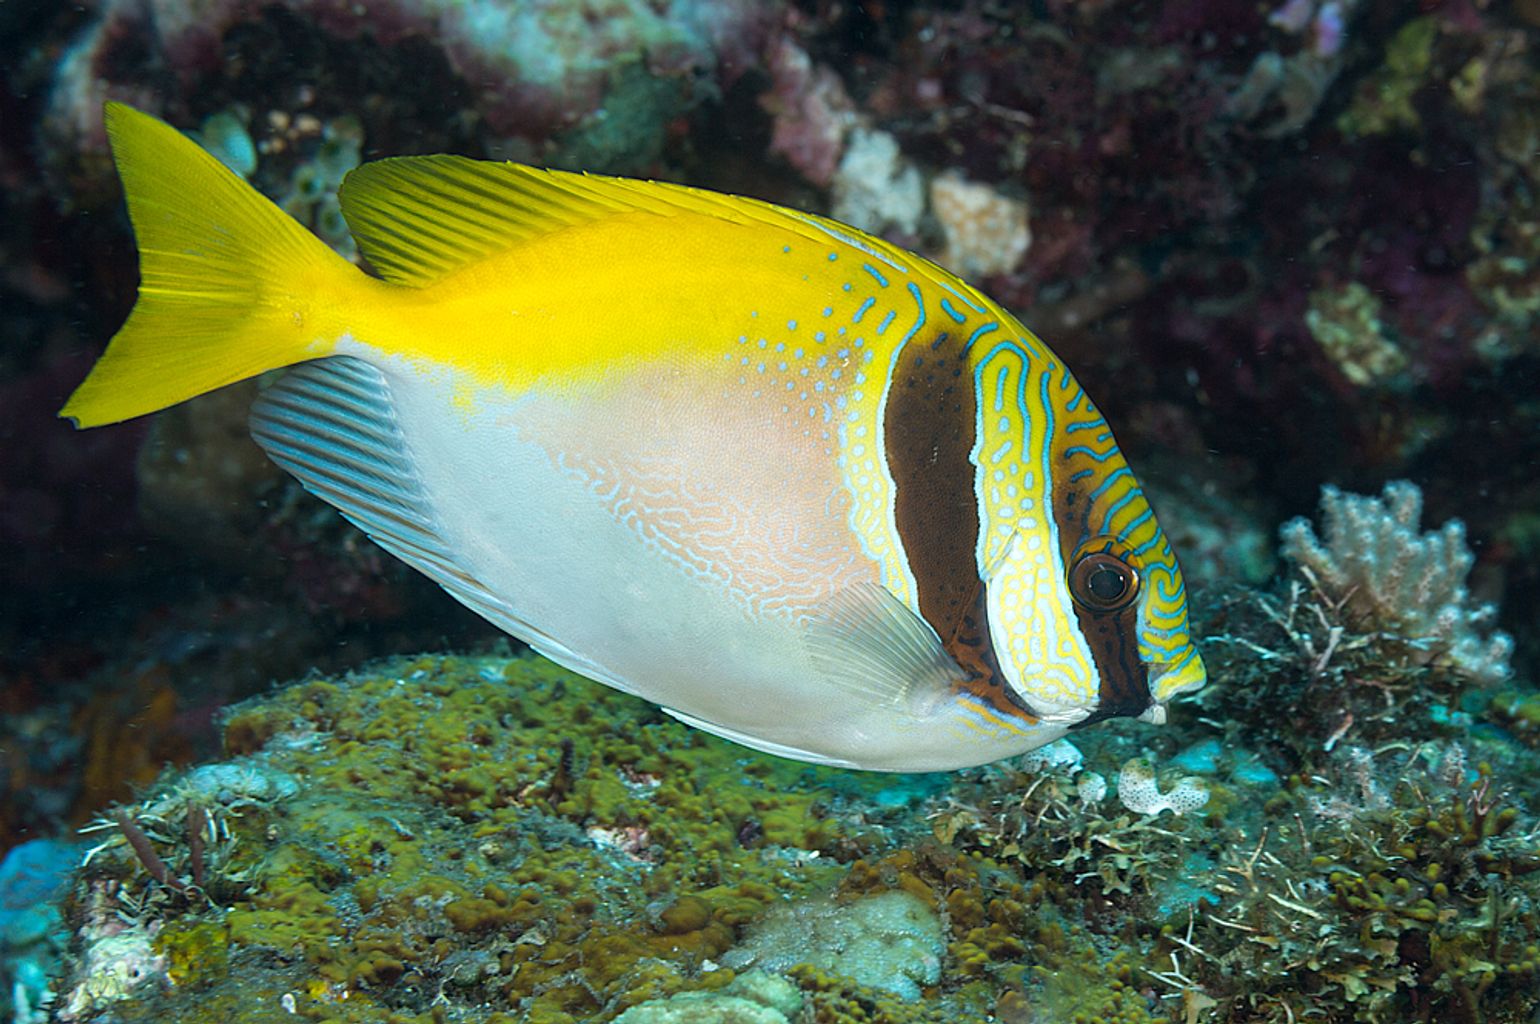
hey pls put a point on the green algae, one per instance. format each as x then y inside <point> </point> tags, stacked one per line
<point>581,850</point>
<point>1385,100</point>
<point>497,839</point>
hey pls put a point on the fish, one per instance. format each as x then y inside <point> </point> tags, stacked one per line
<point>793,484</point>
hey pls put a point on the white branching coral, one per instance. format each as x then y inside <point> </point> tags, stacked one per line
<point>1387,576</point>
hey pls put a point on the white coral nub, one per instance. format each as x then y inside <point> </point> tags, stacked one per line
<point>1139,792</point>
<point>116,964</point>
<point>987,233</point>
<point>1392,578</point>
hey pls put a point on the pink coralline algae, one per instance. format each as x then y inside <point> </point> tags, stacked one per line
<point>811,112</point>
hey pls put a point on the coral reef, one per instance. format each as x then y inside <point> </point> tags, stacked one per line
<point>890,941</point>
<point>1371,638</point>
<point>600,835</point>
<point>1407,887</point>
<point>1383,575</point>
<point>986,233</point>
<point>32,876</point>
<point>810,111</point>
<point>529,69</point>
<point>441,833</point>
<point>1280,243</point>
<point>1346,323</point>
<point>874,188</point>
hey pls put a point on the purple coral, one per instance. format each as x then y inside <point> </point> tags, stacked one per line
<point>811,112</point>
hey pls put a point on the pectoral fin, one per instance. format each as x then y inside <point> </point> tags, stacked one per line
<point>881,654</point>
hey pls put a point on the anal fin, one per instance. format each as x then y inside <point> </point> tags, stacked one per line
<point>332,424</point>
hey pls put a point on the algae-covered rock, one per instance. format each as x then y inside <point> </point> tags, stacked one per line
<point>471,830</point>
<point>757,997</point>
<point>445,838</point>
<point>890,941</point>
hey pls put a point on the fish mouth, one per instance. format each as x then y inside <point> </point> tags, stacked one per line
<point>1169,678</point>
<point>1116,709</point>
<point>1165,679</point>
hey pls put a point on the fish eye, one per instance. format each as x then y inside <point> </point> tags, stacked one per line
<point>1103,582</point>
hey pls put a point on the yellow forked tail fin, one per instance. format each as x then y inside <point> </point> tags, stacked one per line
<point>230,285</point>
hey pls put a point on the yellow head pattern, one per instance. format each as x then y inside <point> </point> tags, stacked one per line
<point>1027,543</point>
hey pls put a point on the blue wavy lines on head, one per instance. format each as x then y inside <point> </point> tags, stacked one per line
<point>1127,489</point>
<point>1168,590</point>
<point>979,332</point>
<point>1167,621</point>
<point>1112,479</point>
<point>951,311</point>
<point>1128,530</point>
<point>1192,652</point>
<point>1177,617</point>
<point>1160,539</point>
<point>1169,597</point>
<point>1161,649</point>
<point>1117,506</point>
<point>876,274</point>
<point>919,301</point>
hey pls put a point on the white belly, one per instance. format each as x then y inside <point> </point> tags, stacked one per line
<point>680,551</point>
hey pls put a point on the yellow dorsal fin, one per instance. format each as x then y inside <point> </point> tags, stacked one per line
<point>419,218</point>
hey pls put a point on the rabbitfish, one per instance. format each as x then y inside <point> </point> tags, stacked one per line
<point>799,487</point>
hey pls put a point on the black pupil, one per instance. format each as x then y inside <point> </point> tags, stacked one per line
<point>1106,583</point>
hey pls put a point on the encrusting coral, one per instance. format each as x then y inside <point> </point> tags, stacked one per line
<point>891,940</point>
